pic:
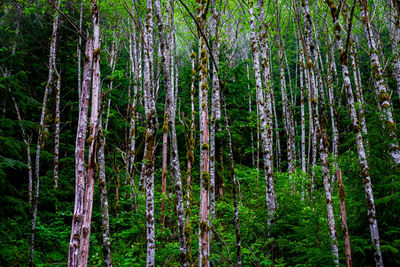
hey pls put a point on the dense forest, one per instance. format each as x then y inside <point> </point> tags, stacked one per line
<point>199,132</point>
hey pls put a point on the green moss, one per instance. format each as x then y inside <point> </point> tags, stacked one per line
<point>206,179</point>
<point>205,146</point>
<point>96,52</point>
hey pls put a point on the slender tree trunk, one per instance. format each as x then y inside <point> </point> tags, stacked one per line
<point>264,110</point>
<point>394,30</point>
<point>150,140</point>
<point>234,186</point>
<point>251,132</point>
<point>288,120</point>
<point>92,140</point>
<point>359,95</point>
<point>52,65</point>
<point>215,103</point>
<point>302,115</point>
<point>105,221</point>
<point>74,257</point>
<point>345,231</point>
<point>57,135</point>
<point>381,89</point>
<point>136,69</point>
<point>190,160</point>
<point>331,70</point>
<point>27,142</point>
<point>204,257</point>
<point>320,128</point>
<point>359,140</point>
<point>79,53</point>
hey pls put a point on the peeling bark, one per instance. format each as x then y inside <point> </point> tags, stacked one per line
<point>92,140</point>
<point>74,258</point>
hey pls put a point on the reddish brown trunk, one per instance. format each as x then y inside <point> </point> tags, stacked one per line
<point>345,231</point>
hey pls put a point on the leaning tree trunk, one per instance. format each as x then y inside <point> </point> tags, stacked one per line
<point>92,140</point>
<point>359,139</point>
<point>74,257</point>
<point>319,127</point>
<point>151,131</point>
<point>27,142</point>
<point>381,89</point>
<point>52,66</point>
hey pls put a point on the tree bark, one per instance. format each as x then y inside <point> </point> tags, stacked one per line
<point>74,257</point>
<point>57,135</point>
<point>93,135</point>
<point>264,108</point>
<point>204,257</point>
<point>151,130</point>
<point>345,231</point>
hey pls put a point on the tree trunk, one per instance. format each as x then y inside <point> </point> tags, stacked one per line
<point>251,131</point>
<point>320,128</point>
<point>92,140</point>
<point>27,142</point>
<point>151,130</point>
<point>57,135</point>
<point>394,30</point>
<point>345,231</point>
<point>74,257</point>
<point>79,53</point>
<point>381,90</point>
<point>49,84</point>
<point>204,257</point>
<point>215,102</point>
<point>264,110</point>
<point>190,160</point>
<point>105,221</point>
